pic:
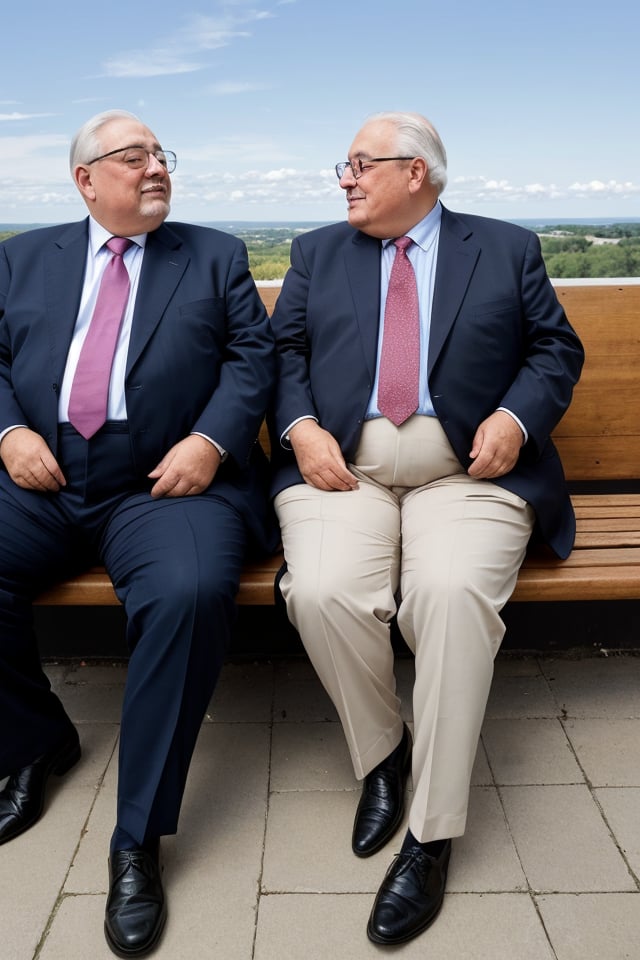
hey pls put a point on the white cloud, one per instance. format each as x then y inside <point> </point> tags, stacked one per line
<point>277,187</point>
<point>611,188</point>
<point>28,192</point>
<point>24,116</point>
<point>472,189</point>
<point>153,63</point>
<point>20,152</point>
<point>231,87</point>
<point>182,52</point>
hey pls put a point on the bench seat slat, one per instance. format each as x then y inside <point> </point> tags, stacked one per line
<point>607,538</point>
<point>591,557</point>
<point>586,501</point>
<point>585,514</point>
<point>589,574</point>
<point>577,583</point>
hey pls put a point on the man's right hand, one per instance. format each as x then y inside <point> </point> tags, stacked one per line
<point>319,457</point>
<point>29,461</point>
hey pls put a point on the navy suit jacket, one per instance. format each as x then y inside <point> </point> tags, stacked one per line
<point>498,337</point>
<point>200,358</point>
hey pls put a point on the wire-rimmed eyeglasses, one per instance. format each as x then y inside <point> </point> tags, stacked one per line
<point>360,166</point>
<point>136,157</point>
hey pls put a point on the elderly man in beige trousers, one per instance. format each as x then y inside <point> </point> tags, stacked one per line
<point>424,360</point>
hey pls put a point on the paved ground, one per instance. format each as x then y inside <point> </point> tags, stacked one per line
<point>262,868</point>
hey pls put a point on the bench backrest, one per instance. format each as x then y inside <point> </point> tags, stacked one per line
<point>599,436</point>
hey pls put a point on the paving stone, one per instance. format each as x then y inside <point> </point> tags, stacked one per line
<point>530,751</point>
<point>563,843</point>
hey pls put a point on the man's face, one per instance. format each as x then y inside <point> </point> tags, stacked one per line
<point>125,201</point>
<point>380,202</point>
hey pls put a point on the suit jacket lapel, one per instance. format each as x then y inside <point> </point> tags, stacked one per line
<point>163,267</point>
<point>457,256</point>
<point>64,267</point>
<point>362,262</point>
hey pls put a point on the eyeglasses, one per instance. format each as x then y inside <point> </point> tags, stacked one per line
<point>359,166</point>
<point>137,158</point>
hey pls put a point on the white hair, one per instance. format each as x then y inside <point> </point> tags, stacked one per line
<point>416,137</point>
<point>85,146</point>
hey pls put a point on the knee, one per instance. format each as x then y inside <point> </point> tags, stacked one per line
<point>306,590</point>
<point>185,588</point>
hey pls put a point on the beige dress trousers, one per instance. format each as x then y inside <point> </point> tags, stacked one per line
<point>422,539</point>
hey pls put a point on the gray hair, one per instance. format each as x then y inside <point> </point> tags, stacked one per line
<point>416,137</point>
<point>86,143</point>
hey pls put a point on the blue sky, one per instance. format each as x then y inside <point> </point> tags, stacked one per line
<point>537,104</point>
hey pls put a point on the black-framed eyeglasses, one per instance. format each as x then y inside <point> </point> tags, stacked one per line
<point>360,166</point>
<point>137,158</point>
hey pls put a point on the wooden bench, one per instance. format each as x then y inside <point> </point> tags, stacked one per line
<point>599,442</point>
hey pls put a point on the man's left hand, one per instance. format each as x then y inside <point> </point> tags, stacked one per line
<point>496,446</point>
<point>187,469</point>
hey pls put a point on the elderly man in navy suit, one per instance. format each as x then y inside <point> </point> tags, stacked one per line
<point>424,360</point>
<point>162,480</point>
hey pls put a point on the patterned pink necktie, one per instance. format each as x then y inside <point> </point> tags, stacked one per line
<point>90,387</point>
<point>398,386</point>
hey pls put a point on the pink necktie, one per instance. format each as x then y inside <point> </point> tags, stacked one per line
<point>90,387</point>
<point>398,386</point>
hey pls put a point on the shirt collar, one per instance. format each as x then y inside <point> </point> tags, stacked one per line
<point>98,236</point>
<point>423,232</point>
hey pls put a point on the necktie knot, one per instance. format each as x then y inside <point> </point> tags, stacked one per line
<point>402,243</point>
<point>119,245</point>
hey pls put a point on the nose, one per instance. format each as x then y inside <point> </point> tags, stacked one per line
<point>347,179</point>
<point>154,167</point>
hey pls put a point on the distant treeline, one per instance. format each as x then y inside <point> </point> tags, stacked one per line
<point>588,251</point>
<point>579,251</point>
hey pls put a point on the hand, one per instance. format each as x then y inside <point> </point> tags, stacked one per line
<point>319,457</point>
<point>29,461</point>
<point>187,469</point>
<point>496,446</point>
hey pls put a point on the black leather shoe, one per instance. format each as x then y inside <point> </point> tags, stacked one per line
<point>381,806</point>
<point>22,800</point>
<point>136,909</point>
<point>410,896</point>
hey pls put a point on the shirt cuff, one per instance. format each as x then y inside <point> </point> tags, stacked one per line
<point>223,453</point>
<point>284,438</point>
<point>518,421</point>
<point>9,429</point>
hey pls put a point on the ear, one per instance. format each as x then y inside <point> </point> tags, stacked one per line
<point>417,174</point>
<point>83,181</point>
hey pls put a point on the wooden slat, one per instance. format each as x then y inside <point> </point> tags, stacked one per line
<point>256,585</point>
<point>94,588</point>
<point>605,557</point>
<point>616,500</point>
<point>91,589</point>
<point>598,512</point>
<point>589,574</point>
<point>612,525</point>
<point>607,538</point>
<point>599,436</point>
<point>600,458</point>
<point>269,295</point>
<point>578,583</point>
